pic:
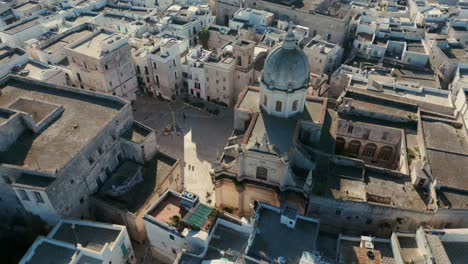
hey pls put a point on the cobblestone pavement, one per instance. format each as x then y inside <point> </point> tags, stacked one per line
<point>199,138</point>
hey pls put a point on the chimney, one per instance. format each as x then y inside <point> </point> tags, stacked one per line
<point>289,216</point>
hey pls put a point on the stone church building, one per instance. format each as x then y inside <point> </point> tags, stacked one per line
<point>262,161</point>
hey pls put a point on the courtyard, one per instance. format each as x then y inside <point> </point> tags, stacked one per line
<point>197,140</point>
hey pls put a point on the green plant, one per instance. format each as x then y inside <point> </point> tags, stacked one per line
<point>457,125</point>
<point>410,155</point>
<point>204,36</point>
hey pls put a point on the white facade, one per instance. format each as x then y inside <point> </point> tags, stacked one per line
<point>324,57</point>
<point>159,67</point>
<point>281,103</point>
<point>118,248</point>
<point>102,62</point>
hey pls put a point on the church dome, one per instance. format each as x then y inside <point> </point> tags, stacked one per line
<point>286,67</point>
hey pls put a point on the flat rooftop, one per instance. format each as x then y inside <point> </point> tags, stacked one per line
<point>20,26</point>
<point>447,152</point>
<point>269,241</point>
<point>59,43</point>
<point>83,118</point>
<point>89,236</point>
<point>401,191</point>
<point>455,51</point>
<point>167,208</point>
<point>227,243</point>
<point>155,172</point>
<point>456,251</point>
<point>249,100</point>
<point>9,55</point>
<point>408,248</point>
<point>47,252</point>
<point>380,105</point>
<point>426,100</point>
<point>415,46</point>
<point>26,6</point>
<point>403,74</point>
<point>304,5</point>
<point>351,252</point>
<point>137,133</point>
<point>33,69</point>
<point>91,46</point>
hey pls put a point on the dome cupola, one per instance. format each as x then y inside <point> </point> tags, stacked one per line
<point>286,67</point>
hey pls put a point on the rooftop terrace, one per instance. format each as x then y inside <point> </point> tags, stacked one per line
<point>67,38</point>
<point>155,173</point>
<point>20,26</point>
<point>167,208</point>
<point>84,116</point>
<point>91,237</point>
<point>269,241</point>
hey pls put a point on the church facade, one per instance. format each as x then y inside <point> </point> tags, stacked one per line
<point>264,160</point>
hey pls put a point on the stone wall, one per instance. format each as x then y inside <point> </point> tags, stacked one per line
<point>358,217</point>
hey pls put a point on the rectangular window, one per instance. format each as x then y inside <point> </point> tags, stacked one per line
<point>147,79</point>
<point>38,197</point>
<point>91,160</point>
<point>279,106</point>
<point>262,173</point>
<point>24,195</point>
<point>350,129</point>
<point>154,65</point>
<point>171,237</point>
<point>124,249</point>
<point>294,106</point>
<point>100,150</point>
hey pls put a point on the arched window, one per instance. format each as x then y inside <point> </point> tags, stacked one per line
<point>386,153</point>
<point>339,145</point>
<point>262,173</point>
<point>294,106</point>
<point>279,106</point>
<point>369,150</point>
<point>265,100</point>
<point>354,147</point>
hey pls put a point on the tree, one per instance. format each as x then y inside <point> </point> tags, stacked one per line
<point>204,36</point>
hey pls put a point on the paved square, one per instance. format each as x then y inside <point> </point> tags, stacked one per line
<point>199,139</point>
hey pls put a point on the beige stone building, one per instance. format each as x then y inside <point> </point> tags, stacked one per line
<point>262,159</point>
<point>324,57</point>
<point>158,65</point>
<point>304,13</point>
<point>102,62</point>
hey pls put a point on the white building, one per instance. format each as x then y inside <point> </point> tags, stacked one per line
<point>102,61</point>
<point>186,22</point>
<point>196,74</point>
<point>74,241</point>
<point>178,222</point>
<point>158,65</point>
<point>75,140</point>
<point>247,17</point>
<point>324,57</point>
